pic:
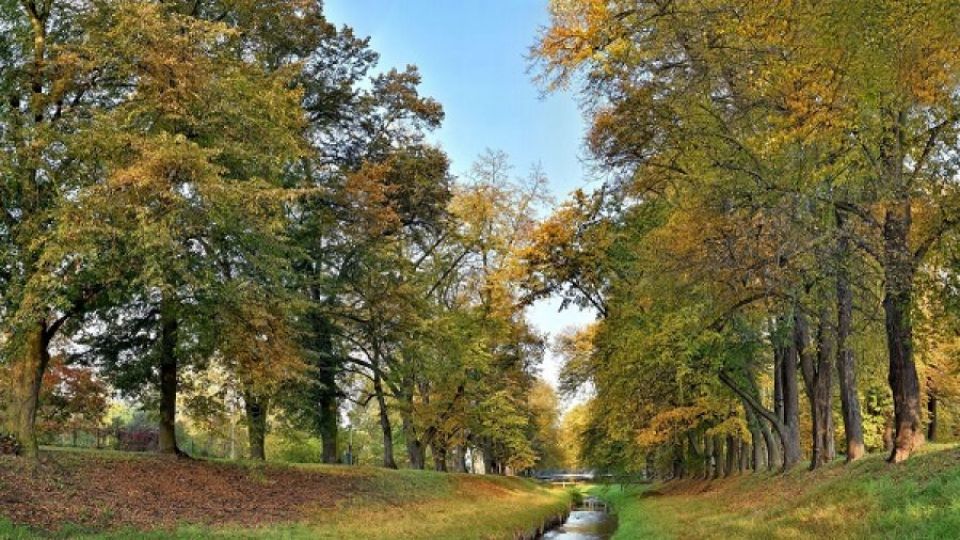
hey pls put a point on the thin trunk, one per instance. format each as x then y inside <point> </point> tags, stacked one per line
<point>846,362</point>
<point>718,465</point>
<point>26,377</point>
<point>778,358</point>
<point>168,383</point>
<point>677,472</point>
<point>746,454</point>
<point>932,413</point>
<point>708,454</point>
<point>385,425</point>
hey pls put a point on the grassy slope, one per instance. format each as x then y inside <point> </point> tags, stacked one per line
<point>378,504</point>
<point>868,499</point>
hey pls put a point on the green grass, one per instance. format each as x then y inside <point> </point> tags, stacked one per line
<point>868,499</point>
<point>386,504</point>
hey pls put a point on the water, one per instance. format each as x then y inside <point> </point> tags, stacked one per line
<point>590,521</point>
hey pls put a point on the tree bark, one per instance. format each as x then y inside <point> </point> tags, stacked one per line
<point>696,453</point>
<point>933,415</point>
<point>718,463</point>
<point>460,459</point>
<point>256,409</point>
<point>753,424</point>
<point>323,392</point>
<point>385,425</point>
<point>770,416</point>
<point>771,444</point>
<point>790,436</point>
<point>168,383</point>
<point>328,414</point>
<point>416,452</point>
<point>329,427</point>
<point>490,465</point>
<point>746,454</point>
<point>846,362</point>
<point>733,455</point>
<point>27,368</point>
<point>708,457</point>
<point>439,452</point>
<point>817,376</point>
<point>899,268</point>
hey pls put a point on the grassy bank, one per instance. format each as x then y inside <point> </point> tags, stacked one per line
<point>867,499</point>
<point>96,495</point>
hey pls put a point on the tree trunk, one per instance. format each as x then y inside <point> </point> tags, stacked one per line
<point>933,417</point>
<point>772,444</point>
<point>329,427</point>
<point>27,368</point>
<point>753,424</point>
<point>790,436</point>
<point>733,455</point>
<point>168,383</point>
<point>490,463</point>
<point>677,462</point>
<point>846,362</point>
<point>779,353</point>
<point>718,465</point>
<point>416,452</point>
<point>708,454</point>
<point>817,376</point>
<point>388,460</point>
<point>328,415</point>
<point>460,459</point>
<point>696,453</point>
<point>324,393</point>
<point>439,452</point>
<point>897,302</point>
<point>770,416</point>
<point>256,425</point>
<point>746,454</point>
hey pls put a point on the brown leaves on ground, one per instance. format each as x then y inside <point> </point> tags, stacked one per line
<point>149,491</point>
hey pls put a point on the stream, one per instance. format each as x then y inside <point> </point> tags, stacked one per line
<point>589,521</point>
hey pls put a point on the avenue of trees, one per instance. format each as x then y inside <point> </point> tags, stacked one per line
<point>208,202</point>
<point>773,253</point>
<point>222,209</point>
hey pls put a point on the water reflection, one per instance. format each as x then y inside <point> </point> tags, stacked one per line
<point>589,522</point>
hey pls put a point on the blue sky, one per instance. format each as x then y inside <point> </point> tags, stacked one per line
<point>472,56</point>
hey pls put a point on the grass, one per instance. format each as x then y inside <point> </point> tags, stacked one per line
<point>868,499</point>
<point>370,504</point>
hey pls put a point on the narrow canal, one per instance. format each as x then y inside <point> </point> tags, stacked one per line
<point>591,520</point>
